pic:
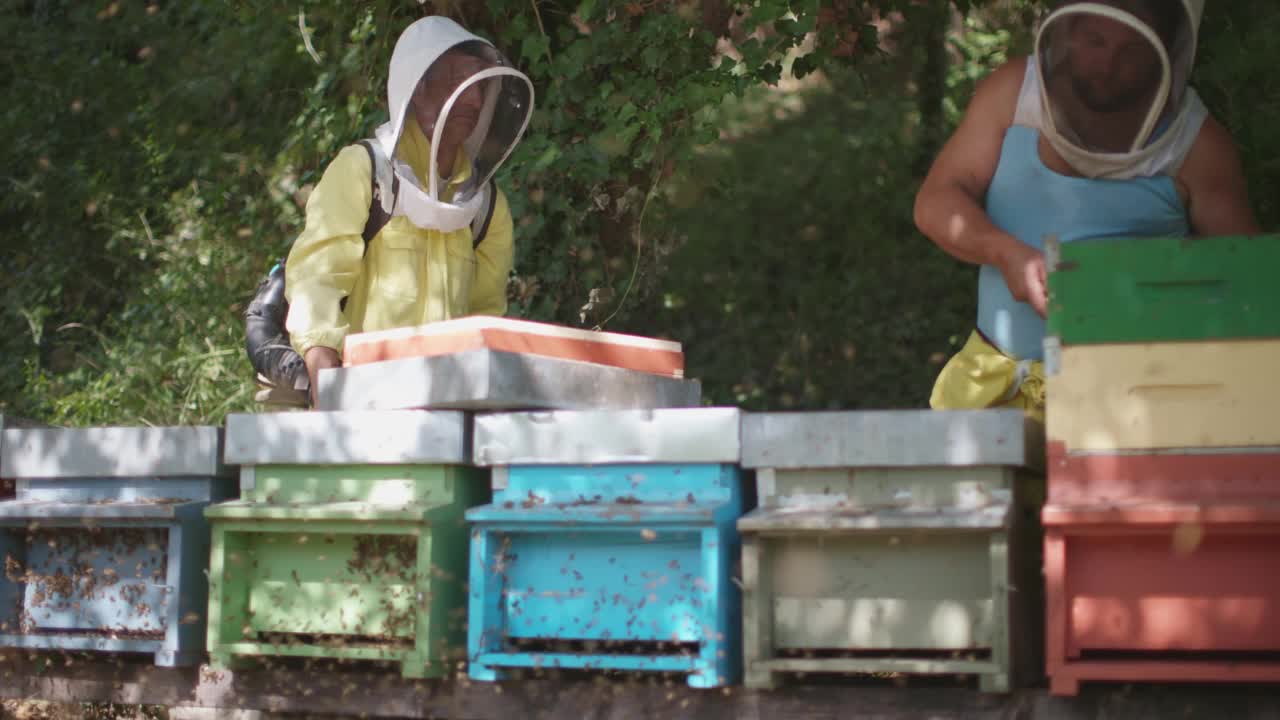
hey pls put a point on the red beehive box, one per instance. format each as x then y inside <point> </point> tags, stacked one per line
<point>1177,591</point>
<point>631,352</point>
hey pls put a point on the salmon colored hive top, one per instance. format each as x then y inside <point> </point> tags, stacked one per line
<point>632,352</point>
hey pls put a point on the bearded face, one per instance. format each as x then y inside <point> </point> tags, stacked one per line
<point>1112,67</point>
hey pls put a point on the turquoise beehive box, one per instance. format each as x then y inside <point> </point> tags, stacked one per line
<point>610,543</point>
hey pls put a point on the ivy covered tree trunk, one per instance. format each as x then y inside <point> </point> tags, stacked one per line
<point>929,22</point>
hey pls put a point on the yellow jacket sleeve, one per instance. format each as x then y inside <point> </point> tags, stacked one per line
<point>327,257</point>
<point>494,259</point>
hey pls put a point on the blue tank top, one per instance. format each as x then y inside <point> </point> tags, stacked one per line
<point>1029,201</point>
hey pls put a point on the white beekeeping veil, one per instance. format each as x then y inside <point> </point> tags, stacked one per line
<point>504,113</point>
<point>1113,79</point>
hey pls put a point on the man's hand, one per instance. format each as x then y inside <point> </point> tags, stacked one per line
<point>1025,275</point>
<point>317,359</point>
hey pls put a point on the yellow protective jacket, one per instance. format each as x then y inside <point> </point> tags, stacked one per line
<point>408,275</point>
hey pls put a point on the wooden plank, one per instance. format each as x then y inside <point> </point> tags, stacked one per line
<point>109,580</point>
<point>1139,518</point>
<point>92,643</point>
<point>494,380</point>
<point>379,485</point>
<point>10,422</point>
<point>43,510</point>
<point>103,452</point>
<point>939,620</point>
<point>129,490</point>
<point>894,487</point>
<point>891,438</point>
<point>388,437</point>
<point>1193,475</point>
<point>618,491</point>
<point>1169,395</point>
<point>1001,677</point>
<point>592,437</point>
<point>1164,289</point>
<point>882,665</point>
<point>348,692</point>
<point>1175,591</point>
<point>1164,671</point>
<point>590,661</point>
<point>633,352</point>
<point>853,520</point>
<point>757,613</point>
<point>337,511</point>
<point>921,591</point>
<point>329,607</point>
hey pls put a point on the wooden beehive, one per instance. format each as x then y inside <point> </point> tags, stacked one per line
<point>893,541</point>
<point>348,541</point>
<point>1164,478</point>
<point>610,544</point>
<point>105,545</point>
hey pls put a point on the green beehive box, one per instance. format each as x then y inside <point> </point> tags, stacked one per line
<point>348,542</point>
<point>1126,290</point>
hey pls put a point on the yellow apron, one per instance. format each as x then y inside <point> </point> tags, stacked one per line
<point>980,376</point>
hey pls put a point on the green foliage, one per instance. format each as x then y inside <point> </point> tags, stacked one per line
<point>1236,77</point>
<point>160,155</point>
<point>626,92</point>
<point>144,152</point>
<point>829,298</point>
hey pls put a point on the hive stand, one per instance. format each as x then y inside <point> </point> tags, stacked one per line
<point>348,541</point>
<point>609,545</point>
<point>893,542</point>
<point>105,545</point>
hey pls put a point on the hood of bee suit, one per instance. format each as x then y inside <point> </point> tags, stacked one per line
<point>428,54</point>
<point>1114,80</point>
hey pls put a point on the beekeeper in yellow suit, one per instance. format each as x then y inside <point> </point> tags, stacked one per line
<point>457,110</point>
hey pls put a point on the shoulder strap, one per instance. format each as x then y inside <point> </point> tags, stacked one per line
<point>480,225</point>
<point>379,214</point>
<point>1027,112</point>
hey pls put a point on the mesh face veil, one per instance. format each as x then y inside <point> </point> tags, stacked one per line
<point>476,87</point>
<point>1113,79</point>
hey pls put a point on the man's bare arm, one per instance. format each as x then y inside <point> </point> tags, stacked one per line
<point>949,206</point>
<point>1217,190</point>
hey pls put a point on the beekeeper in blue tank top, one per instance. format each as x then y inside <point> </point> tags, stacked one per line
<point>1097,134</point>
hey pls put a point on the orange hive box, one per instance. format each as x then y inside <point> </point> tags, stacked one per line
<point>632,352</point>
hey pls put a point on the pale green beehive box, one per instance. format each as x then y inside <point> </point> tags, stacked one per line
<point>893,541</point>
<point>348,541</point>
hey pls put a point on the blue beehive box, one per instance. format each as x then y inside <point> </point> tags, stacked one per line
<point>105,545</point>
<point>610,544</point>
